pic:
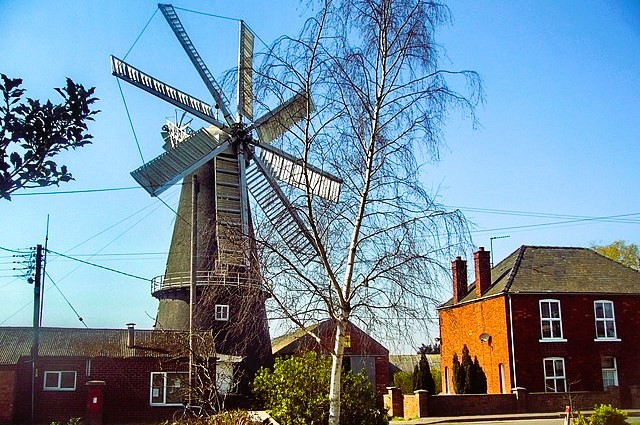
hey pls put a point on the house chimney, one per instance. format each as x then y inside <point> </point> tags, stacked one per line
<point>459,272</point>
<point>131,340</point>
<point>482,264</point>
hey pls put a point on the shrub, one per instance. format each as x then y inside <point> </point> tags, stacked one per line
<point>422,379</point>
<point>230,417</point>
<point>296,392</point>
<point>437,378</point>
<point>605,414</point>
<point>404,381</point>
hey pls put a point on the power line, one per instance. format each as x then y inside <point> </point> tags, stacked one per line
<point>66,299</point>
<point>16,312</point>
<point>557,223</point>
<point>67,192</point>
<point>100,267</point>
<point>121,254</point>
<point>546,215</point>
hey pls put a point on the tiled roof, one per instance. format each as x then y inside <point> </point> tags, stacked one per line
<point>545,269</point>
<point>281,342</point>
<point>407,362</point>
<point>15,342</point>
<point>300,340</point>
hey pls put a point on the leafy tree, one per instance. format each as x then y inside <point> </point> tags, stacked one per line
<point>468,376</point>
<point>377,102</point>
<point>620,251</point>
<point>296,392</point>
<point>429,349</point>
<point>404,381</point>
<point>422,379</point>
<point>32,133</point>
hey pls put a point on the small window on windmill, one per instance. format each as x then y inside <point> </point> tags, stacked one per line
<point>222,312</point>
<point>347,340</point>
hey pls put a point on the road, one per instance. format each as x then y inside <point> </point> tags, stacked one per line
<point>632,420</point>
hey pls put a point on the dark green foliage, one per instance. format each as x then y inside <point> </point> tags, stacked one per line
<point>296,392</point>
<point>468,376</point>
<point>404,381</point>
<point>422,379</point>
<point>429,349</point>
<point>437,378</point>
<point>457,377</point>
<point>31,133</point>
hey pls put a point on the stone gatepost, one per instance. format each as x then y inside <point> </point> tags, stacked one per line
<point>393,402</point>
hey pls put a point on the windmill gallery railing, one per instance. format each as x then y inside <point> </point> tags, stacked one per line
<point>203,278</point>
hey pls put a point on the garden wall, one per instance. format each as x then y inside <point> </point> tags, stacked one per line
<point>421,404</point>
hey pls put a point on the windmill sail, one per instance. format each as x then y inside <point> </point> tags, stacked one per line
<point>280,212</point>
<point>214,88</point>
<point>245,73</point>
<point>276,122</point>
<point>291,170</point>
<point>176,97</point>
<point>158,174</point>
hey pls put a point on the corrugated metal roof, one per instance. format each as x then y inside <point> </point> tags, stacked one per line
<point>546,269</point>
<point>15,342</point>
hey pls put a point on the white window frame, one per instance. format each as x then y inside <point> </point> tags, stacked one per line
<point>613,371</point>
<point>221,312</point>
<point>551,320</point>
<point>554,378</point>
<point>604,320</point>
<point>164,388</point>
<point>58,386</point>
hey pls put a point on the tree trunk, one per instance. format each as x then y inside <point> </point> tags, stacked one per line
<point>336,374</point>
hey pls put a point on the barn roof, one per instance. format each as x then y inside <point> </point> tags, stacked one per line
<point>15,342</point>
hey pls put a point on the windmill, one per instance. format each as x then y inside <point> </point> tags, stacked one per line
<point>231,158</point>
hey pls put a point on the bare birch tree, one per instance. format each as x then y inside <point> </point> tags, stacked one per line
<point>377,101</point>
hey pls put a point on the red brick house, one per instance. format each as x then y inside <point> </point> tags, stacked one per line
<point>362,353</point>
<point>547,319</point>
<point>142,373</point>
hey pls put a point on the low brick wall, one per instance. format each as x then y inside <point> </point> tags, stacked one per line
<point>421,404</point>
<point>472,404</point>
<point>581,400</point>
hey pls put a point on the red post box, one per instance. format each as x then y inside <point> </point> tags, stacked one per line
<point>95,402</point>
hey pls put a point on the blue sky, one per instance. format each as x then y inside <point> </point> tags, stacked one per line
<point>559,135</point>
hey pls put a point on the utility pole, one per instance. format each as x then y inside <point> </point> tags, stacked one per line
<point>36,327</point>
<point>194,273</point>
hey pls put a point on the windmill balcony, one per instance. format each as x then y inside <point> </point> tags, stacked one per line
<point>203,278</point>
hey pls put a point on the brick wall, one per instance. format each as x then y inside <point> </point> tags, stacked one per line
<point>463,324</point>
<point>423,405</point>
<point>471,404</point>
<point>7,388</point>
<point>582,355</point>
<point>126,390</point>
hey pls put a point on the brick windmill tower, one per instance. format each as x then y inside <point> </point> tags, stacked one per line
<point>228,159</point>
